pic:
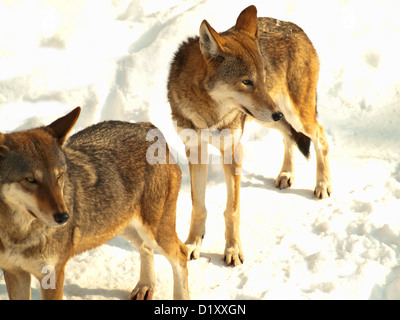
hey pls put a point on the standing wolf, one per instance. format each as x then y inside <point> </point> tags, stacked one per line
<point>262,69</point>
<point>59,199</point>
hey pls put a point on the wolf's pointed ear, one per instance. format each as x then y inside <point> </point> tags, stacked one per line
<point>247,22</point>
<point>211,43</point>
<point>3,149</point>
<point>61,127</point>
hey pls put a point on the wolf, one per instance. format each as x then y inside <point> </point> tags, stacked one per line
<point>61,197</point>
<point>261,69</point>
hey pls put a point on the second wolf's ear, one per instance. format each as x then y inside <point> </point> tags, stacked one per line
<point>3,149</point>
<point>247,22</point>
<point>211,43</point>
<point>61,127</point>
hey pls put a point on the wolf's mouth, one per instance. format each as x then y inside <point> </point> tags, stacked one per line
<point>32,214</point>
<point>247,111</point>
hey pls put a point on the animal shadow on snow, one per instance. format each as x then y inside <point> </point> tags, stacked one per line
<point>269,184</point>
<point>252,180</point>
<point>76,290</point>
<point>216,259</point>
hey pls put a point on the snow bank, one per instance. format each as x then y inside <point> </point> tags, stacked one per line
<point>112,58</point>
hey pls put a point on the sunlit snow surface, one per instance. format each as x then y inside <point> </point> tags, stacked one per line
<point>112,59</point>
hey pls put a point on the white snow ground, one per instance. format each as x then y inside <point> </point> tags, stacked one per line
<point>112,58</point>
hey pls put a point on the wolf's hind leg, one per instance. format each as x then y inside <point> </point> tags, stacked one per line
<point>176,253</point>
<point>144,290</point>
<point>169,244</point>
<point>323,188</point>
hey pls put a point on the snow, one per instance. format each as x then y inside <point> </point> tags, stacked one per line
<point>112,58</point>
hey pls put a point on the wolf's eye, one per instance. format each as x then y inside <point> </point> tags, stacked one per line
<point>31,180</point>
<point>247,82</point>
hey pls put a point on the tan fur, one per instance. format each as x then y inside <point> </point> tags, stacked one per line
<point>262,69</point>
<point>60,199</point>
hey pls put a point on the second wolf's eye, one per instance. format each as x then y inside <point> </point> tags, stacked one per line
<point>247,82</point>
<point>31,180</point>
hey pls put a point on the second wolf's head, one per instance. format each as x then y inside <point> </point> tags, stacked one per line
<point>235,67</point>
<point>32,169</point>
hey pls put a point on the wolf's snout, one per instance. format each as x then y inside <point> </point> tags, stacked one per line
<point>277,116</point>
<point>61,217</point>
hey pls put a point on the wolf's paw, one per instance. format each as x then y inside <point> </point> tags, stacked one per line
<point>144,292</point>
<point>193,249</point>
<point>323,190</point>
<point>284,180</point>
<point>233,256</point>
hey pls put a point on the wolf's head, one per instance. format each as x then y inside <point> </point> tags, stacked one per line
<point>235,67</point>
<point>32,169</point>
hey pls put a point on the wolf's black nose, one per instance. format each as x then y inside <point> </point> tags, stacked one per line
<point>61,217</point>
<point>277,116</point>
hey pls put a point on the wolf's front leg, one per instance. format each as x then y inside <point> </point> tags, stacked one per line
<point>233,247</point>
<point>197,155</point>
<point>52,283</point>
<point>198,180</point>
<point>18,285</point>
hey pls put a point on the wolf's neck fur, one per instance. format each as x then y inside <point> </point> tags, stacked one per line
<point>18,226</point>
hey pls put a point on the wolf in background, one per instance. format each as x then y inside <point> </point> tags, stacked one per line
<point>262,69</point>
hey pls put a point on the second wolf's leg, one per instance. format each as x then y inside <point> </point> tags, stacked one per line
<point>18,285</point>
<point>198,181</point>
<point>233,247</point>
<point>286,176</point>
<point>145,287</point>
